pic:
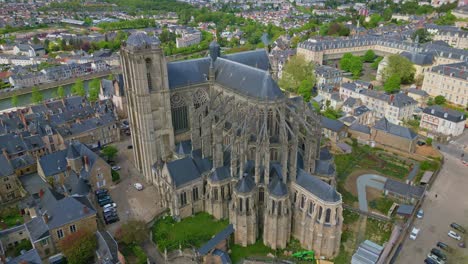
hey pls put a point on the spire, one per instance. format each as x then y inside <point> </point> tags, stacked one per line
<point>215,51</point>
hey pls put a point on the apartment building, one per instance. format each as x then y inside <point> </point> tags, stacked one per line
<point>443,121</point>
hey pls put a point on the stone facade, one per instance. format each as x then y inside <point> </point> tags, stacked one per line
<point>217,134</point>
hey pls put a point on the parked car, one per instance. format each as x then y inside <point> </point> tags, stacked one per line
<point>138,186</point>
<point>439,253</point>
<point>457,227</point>
<point>116,168</point>
<point>109,205</point>
<point>430,261</point>
<point>109,214</point>
<point>109,209</point>
<point>101,191</point>
<point>414,233</point>
<point>435,258</point>
<point>454,235</point>
<point>111,220</point>
<point>421,143</point>
<point>420,214</point>
<point>102,195</point>
<point>104,201</point>
<point>442,245</point>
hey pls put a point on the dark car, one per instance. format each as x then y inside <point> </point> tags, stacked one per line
<point>101,192</point>
<point>421,143</point>
<point>439,253</point>
<point>104,201</point>
<point>109,214</point>
<point>111,220</point>
<point>457,227</point>
<point>430,261</point>
<point>442,245</point>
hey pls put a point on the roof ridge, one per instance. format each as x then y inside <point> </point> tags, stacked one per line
<point>245,65</point>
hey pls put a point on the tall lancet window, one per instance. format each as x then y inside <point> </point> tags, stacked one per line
<point>148,74</point>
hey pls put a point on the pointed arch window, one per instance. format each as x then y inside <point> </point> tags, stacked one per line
<point>148,74</point>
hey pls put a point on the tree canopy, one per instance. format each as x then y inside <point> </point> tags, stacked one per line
<point>400,66</point>
<point>110,152</point>
<point>369,56</point>
<point>439,100</point>
<point>14,100</point>
<point>447,19</point>
<point>298,74</point>
<point>334,29</point>
<point>79,247</point>
<point>78,88</point>
<point>351,63</point>
<point>392,84</point>
<point>36,96</point>
<point>60,92</point>
<point>132,232</point>
<point>94,88</point>
<point>423,35</point>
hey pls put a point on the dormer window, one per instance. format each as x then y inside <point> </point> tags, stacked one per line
<point>445,115</point>
<point>432,111</point>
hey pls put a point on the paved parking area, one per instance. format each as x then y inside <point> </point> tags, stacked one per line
<point>451,205</point>
<point>131,203</point>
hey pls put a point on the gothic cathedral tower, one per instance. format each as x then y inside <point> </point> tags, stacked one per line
<point>148,99</point>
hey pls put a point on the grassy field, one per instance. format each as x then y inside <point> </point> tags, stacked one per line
<point>377,231</point>
<point>10,217</point>
<point>349,219</point>
<point>190,231</point>
<point>427,165</point>
<point>382,204</point>
<point>256,250</point>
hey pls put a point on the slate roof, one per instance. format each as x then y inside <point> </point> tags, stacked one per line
<point>330,124</point>
<point>360,128</point>
<point>255,58</point>
<point>424,58</point>
<point>350,102</point>
<point>317,187</point>
<point>245,185</point>
<point>418,92</point>
<point>325,168</point>
<point>452,115</point>
<point>278,188</point>
<point>12,143</point>
<point>68,210</point>
<point>30,257</point>
<point>361,110</point>
<point>5,167</point>
<point>211,244</point>
<point>189,72</point>
<point>396,130</point>
<point>140,39</point>
<point>405,209</point>
<point>37,228</point>
<point>325,154</point>
<point>403,189</point>
<point>182,171</point>
<point>54,163</point>
<point>72,153</point>
<point>220,174</point>
<point>225,259</point>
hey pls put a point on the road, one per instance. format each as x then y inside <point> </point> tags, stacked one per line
<point>368,180</point>
<point>451,205</point>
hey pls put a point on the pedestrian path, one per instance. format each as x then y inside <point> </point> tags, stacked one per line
<point>368,180</point>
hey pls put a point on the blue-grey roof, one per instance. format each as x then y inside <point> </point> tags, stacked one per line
<point>72,153</point>
<point>225,259</point>
<point>350,102</point>
<point>184,147</point>
<point>182,171</point>
<point>37,228</point>
<point>245,185</point>
<point>418,92</point>
<point>140,39</point>
<point>330,124</point>
<point>325,168</point>
<point>247,80</point>
<point>218,238</point>
<point>12,143</point>
<point>189,72</point>
<point>445,113</point>
<point>422,58</point>
<point>278,188</point>
<point>317,187</point>
<point>255,58</point>
<point>68,210</point>
<point>220,174</point>
<point>360,128</point>
<point>361,110</point>
<point>405,209</point>
<point>325,154</point>
<point>30,257</point>
<point>396,130</point>
<point>403,189</point>
<point>6,169</point>
<point>54,163</point>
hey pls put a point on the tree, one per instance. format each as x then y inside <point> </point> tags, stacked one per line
<point>297,70</point>
<point>14,100</point>
<point>78,88</point>
<point>429,141</point>
<point>422,34</point>
<point>439,100</point>
<point>401,66</point>
<point>132,232</point>
<point>369,56</point>
<point>392,84</point>
<point>447,19</point>
<point>35,40</point>
<point>36,96</point>
<point>355,66</point>
<point>60,92</point>
<point>110,152</point>
<point>305,89</point>
<point>93,91</point>
<point>387,14</point>
<point>345,61</point>
<point>79,247</point>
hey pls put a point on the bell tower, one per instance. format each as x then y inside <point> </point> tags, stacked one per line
<point>145,74</point>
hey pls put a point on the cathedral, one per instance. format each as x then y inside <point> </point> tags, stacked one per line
<point>217,135</point>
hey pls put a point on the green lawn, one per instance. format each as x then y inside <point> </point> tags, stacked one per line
<point>349,217</point>
<point>256,250</point>
<point>378,231</point>
<point>427,165</point>
<point>190,231</point>
<point>10,217</point>
<point>382,204</point>
<point>133,253</point>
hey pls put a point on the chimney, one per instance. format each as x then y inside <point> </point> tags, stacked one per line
<point>41,193</point>
<point>392,97</point>
<point>86,163</point>
<point>85,210</point>
<point>45,216</point>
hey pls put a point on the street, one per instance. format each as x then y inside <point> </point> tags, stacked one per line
<point>450,205</point>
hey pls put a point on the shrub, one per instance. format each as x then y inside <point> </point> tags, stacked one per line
<point>115,176</point>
